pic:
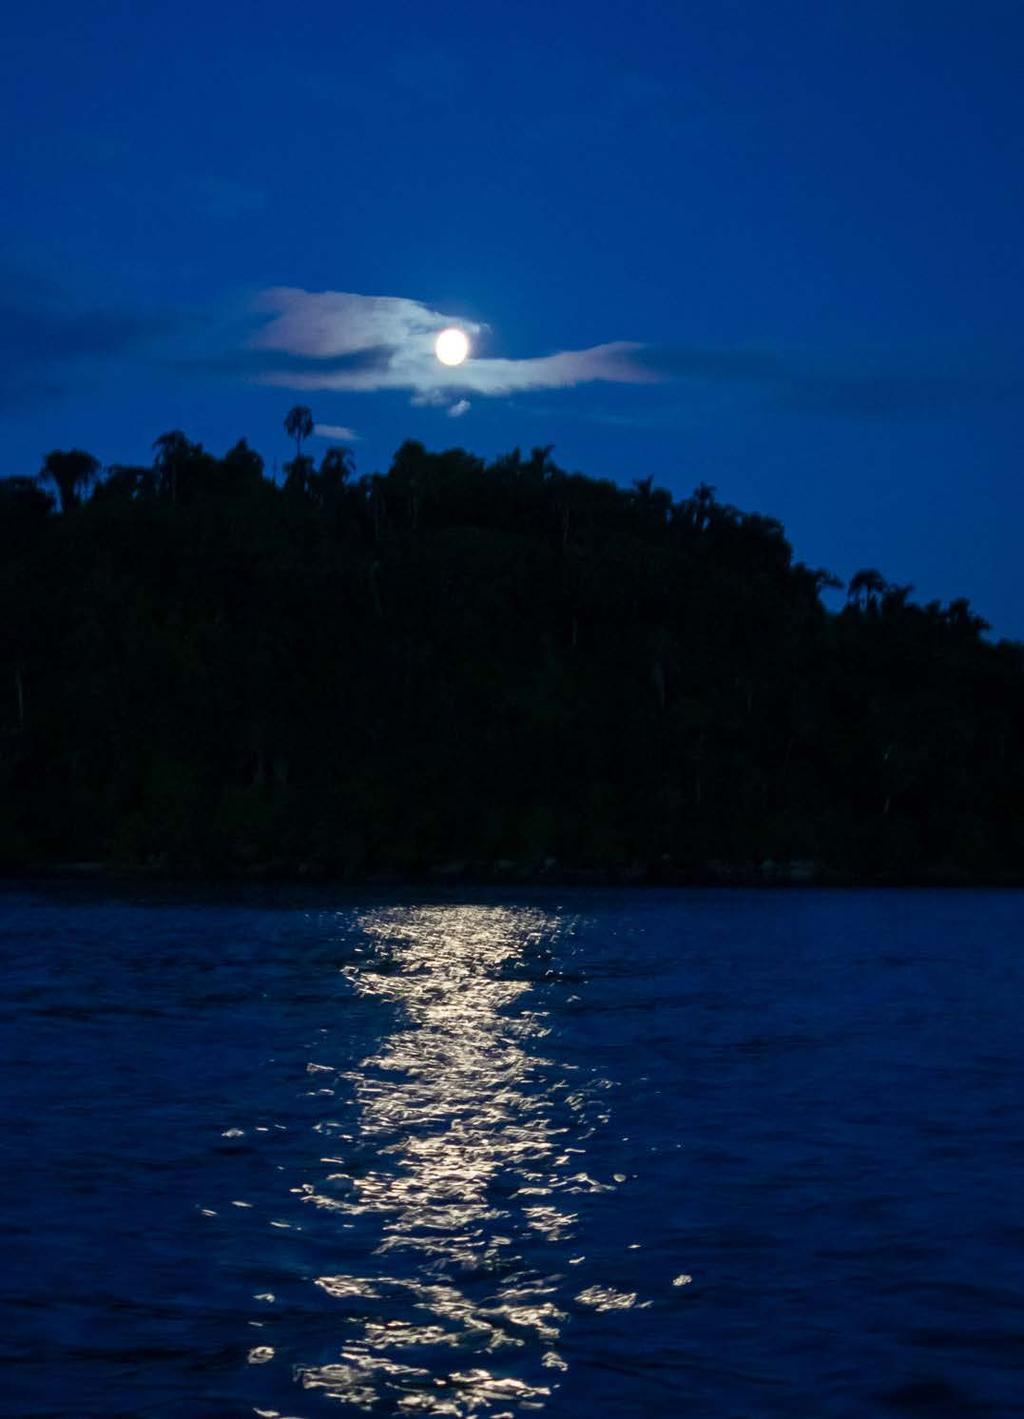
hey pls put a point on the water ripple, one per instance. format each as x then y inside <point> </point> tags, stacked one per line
<point>456,1138</point>
<point>614,1154</point>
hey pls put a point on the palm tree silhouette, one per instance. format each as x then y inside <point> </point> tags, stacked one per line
<point>72,472</point>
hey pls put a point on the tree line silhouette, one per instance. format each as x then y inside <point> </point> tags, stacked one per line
<point>503,669</point>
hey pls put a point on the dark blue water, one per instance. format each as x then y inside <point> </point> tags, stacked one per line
<point>705,1154</point>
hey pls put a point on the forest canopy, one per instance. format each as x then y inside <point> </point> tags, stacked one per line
<point>497,669</point>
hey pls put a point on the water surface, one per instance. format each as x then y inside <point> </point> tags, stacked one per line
<point>690,1153</point>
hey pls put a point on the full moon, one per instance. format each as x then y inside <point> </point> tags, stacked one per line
<point>451,347</point>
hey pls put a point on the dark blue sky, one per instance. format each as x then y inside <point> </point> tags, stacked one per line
<point>809,216</point>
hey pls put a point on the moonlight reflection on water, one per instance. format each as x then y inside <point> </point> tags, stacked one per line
<point>478,1143</point>
<point>577,1153</point>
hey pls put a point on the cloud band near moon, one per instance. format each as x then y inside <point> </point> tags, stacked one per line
<point>339,340</point>
<point>342,341</point>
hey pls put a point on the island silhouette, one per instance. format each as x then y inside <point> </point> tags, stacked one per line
<point>460,668</point>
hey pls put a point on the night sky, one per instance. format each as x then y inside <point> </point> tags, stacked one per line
<point>779,246</point>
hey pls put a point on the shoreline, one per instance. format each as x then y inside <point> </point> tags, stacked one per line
<point>767,876</point>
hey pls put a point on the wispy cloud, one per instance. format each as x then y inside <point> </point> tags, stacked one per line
<point>325,323</point>
<point>45,343</point>
<point>897,395</point>
<point>860,389</point>
<point>338,340</point>
<point>341,433</point>
<point>38,334</point>
<point>342,341</point>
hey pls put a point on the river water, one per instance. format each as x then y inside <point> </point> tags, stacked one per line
<point>722,1154</point>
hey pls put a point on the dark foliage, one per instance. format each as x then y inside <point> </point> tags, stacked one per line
<point>500,665</point>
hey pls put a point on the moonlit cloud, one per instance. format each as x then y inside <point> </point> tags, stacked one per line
<point>341,433</point>
<point>325,323</point>
<point>51,346</point>
<point>338,340</point>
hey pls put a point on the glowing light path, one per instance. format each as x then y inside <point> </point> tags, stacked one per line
<point>468,1144</point>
